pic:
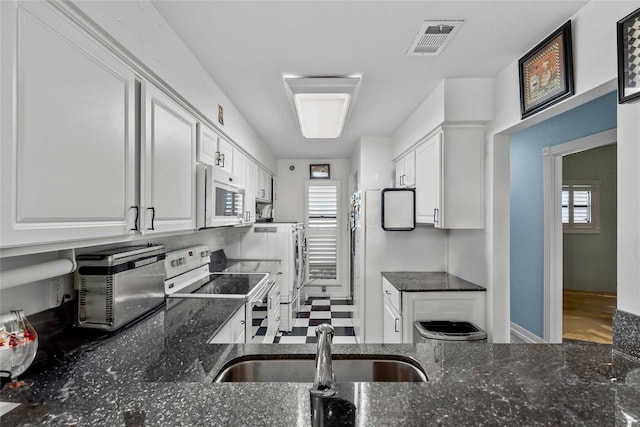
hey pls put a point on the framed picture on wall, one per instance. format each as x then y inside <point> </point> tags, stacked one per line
<point>546,72</point>
<point>629,57</point>
<point>319,171</point>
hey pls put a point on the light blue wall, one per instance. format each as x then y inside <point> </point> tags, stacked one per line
<point>527,244</point>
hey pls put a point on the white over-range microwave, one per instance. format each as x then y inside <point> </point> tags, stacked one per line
<point>220,198</point>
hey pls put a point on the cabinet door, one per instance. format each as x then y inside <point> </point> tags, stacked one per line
<point>226,155</point>
<point>428,181</point>
<point>67,130</point>
<point>268,184</point>
<point>168,165</point>
<point>239,165</point>
<point>273,314</point>
<point>260,193</point>
<point>399,168</point>
<point>250,190</point>
<point>392,330</point>
<point>207,145</point>
<point>410,169</point>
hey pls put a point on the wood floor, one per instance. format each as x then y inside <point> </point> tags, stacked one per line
<point>586,316</point>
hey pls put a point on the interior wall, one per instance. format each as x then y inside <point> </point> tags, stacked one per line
<point>589,259</point>
<point>526,207</point>
<point>628,208</point>
<point>289,206</point>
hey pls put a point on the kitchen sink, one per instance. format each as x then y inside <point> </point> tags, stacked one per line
<point>349,368</point>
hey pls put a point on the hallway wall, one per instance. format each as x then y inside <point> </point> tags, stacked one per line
<point>589,259</point>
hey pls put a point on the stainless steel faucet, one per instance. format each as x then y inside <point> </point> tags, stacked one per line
<point>323,384</point>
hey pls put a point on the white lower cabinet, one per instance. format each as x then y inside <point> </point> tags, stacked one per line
<point>392,324</point>
<point>232,332</point>
<point>402,309</point>
<point>67,130</point>
<point>273,310</point>
<point>392,329</point>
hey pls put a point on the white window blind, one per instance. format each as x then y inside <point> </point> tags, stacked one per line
<point>580,210</point>
<point>322,231</point>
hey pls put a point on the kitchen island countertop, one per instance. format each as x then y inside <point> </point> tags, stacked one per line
<point>156,375</point>
<point>424,281</point>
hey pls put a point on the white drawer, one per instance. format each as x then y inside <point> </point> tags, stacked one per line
<point>392,295</point>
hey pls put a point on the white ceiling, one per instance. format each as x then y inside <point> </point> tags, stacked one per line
<point>246,47</point>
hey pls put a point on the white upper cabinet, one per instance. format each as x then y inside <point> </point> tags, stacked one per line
<point>214,150</point>
<point>251,171</point>
<point>239,166</point>
<point>68,131</point>
<point>168,152</point>
<point>263,186</point>
<point>406,170</point>
<point>450,178</point>
<point>428,181</point>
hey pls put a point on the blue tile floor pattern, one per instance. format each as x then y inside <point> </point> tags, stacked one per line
<point>338,313</point>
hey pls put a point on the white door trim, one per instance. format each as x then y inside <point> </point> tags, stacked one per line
<point>552,187</point>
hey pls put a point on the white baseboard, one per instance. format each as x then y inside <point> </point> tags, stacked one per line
<point>522,335</point>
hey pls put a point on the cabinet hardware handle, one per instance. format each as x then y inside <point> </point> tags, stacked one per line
<point>436,211</point>
<point>242,322</point>
<point>153,217</point>
<point>217,158</point>
<point>387,292</point>
<point>395,325</point>
<point>248,216</point>
<point>222,159</point>
<point>135,223</point>
<point>401,178</point>
<point>269,304</point>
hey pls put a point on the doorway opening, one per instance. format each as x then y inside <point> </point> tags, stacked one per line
<point>580,238</point>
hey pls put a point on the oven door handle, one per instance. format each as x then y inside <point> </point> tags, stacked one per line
<point>263,292</point>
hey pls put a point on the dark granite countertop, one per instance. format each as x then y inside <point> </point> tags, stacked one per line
<point>159,373</point>
<point>419,281</point>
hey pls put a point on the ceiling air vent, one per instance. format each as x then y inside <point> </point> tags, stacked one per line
<point>433,37</point>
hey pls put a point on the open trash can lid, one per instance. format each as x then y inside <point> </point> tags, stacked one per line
<point>449,330</point>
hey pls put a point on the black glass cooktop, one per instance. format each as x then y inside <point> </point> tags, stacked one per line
<point>225,284</point>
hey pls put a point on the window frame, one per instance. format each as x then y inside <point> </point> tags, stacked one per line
<point>594,226</point>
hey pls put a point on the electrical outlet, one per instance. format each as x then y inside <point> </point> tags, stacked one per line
<point>56,291</point>
<point>324,289</point>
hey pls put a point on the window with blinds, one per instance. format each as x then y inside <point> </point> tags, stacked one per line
<point>322,231</point>
<point>580,210</point>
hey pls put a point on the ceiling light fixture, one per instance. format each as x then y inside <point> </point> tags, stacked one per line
<point>321,103</point>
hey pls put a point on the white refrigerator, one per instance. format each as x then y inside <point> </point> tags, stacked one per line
<point>375,250</point>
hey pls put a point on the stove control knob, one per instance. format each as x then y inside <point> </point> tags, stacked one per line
<point>182,261</point>
<point>174,263</point>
